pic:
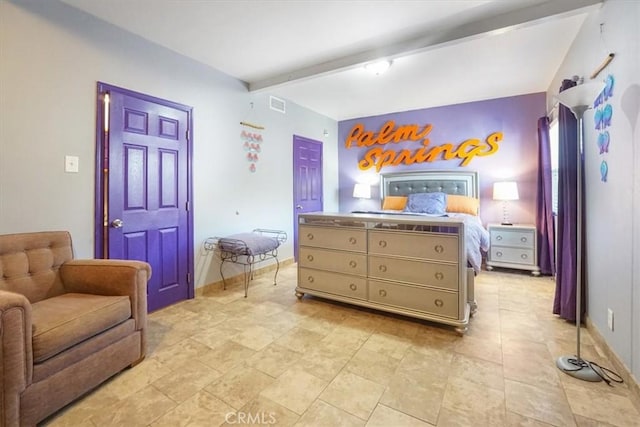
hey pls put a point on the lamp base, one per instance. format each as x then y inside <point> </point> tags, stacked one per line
<point>506,223</point>
<point>578,368</point>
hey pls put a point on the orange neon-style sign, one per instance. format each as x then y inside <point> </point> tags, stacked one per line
<point>380,157</point>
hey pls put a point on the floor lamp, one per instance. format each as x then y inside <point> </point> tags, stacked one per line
<point>579,99</point>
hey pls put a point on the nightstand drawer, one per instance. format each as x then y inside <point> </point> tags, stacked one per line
<point>512,255</point>
<point>515,237</point>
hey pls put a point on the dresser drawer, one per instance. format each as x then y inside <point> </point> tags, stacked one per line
<point>337,261</point>
<point>333,283</point>
<point>512,255</point>
<point>442,303</point>
<point>515,237</point>
<point>415,272</point>
<point>415,245</point>
<point>333,238</point>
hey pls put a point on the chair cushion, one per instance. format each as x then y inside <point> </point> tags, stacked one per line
<point>63,321</point>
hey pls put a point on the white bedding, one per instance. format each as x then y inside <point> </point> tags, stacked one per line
<point>476,236</point>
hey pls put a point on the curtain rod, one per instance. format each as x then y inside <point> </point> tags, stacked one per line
<point>602,66</point>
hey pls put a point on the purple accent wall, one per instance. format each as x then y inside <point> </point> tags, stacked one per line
<point>516,158</point>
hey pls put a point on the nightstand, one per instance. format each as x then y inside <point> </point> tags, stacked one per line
<point>513,246</point>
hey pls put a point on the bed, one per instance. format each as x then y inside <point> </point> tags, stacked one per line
<point>247,249</point>
<point>420,264</point>
<point>455,183</point>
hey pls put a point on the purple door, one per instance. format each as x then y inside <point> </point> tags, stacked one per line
<point>307,180</point>
<point>147,215</point>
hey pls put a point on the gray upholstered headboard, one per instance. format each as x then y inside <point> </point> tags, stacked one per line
<point>451,182</point>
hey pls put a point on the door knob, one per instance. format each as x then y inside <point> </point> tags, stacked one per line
<point>117,223</point>
<point>299,207</point>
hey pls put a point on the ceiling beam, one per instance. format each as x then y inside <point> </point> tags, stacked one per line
<point>450,31</point>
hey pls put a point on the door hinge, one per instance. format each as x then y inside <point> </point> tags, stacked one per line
<point>188,277</point>
<point>187,205</point>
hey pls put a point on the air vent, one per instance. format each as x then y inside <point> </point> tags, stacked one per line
<point>277,104</point>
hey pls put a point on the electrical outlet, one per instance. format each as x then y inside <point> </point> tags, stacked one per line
<point>610,319</point>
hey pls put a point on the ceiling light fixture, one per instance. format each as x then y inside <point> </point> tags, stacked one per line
<point>378,67</point>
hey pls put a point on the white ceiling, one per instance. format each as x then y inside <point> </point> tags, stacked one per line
<point>311,52</point>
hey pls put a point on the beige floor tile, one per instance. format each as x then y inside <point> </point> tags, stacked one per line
<point>373,366</point>
<point>546,404</point>
<point>485,405</point>
<point>354,394</point>
<point>432,367</point>
<point>482,348</point>
<point>186,380</point>
<point>323,362</point>
<point>80,412</point>
<point>149,405</point>
<point>295,390</point>
<point>200,410</point>
<point>226,356</point>
<point>262,411</point>
<point>389,345</point>
<point>299,339</point>
<point>383,416</point>
<point>131,381</point>
<point>419,398</point>
<point>455,418</point>
<point>479,371</point>
<point>321,414</point>
<point>345,339</point>
<point>529,362</point>
<point>239,386</point>
<point>274,359</point>
<point>255,337</point>
<point>517,420</point>
<point>178,354</point>
<point>592,402</point>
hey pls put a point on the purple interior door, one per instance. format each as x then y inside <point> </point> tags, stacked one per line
<point>307,180</point>
<point>148,212</point>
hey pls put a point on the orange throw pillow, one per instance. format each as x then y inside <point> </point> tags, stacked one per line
<point>462,204</point>
<point>396,203</point>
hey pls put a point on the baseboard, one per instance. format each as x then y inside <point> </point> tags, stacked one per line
<point>618,366</point>
<point>239,278</point>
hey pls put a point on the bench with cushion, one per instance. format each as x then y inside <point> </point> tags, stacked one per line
<point>65,325</point>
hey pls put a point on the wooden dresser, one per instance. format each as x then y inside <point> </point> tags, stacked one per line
<point>409,265</point>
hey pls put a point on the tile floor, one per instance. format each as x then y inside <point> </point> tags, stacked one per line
<point>270,359</point>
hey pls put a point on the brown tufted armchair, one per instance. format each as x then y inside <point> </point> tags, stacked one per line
<point>65,325</point>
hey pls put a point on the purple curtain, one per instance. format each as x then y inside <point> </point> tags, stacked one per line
<point>565,298</point>
<point>544,206</point>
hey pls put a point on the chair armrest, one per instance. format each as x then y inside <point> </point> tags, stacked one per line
<point>110,277</point>
<point>16,355</point>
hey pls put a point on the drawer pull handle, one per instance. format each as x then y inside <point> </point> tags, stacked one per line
<point>498,237</point>
<point>439,302</point>
<point>310,279</point>
<point>524,256</point>
<point>310,236</point>
<point>353,264</point>
<point>310,257</point>
<point>352,240</point>
<point>523,239</point>
<point>382,268</point>
<point>439,249</point>
<point>382,243</point>
<point>353,287</point>
<point>439,275</point>
<point>498,253</point>
<point>382,293</point>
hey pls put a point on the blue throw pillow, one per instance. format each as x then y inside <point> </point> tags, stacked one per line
<point>429,203</point>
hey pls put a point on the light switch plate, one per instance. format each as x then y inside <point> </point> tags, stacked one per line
<point>71,164</point>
